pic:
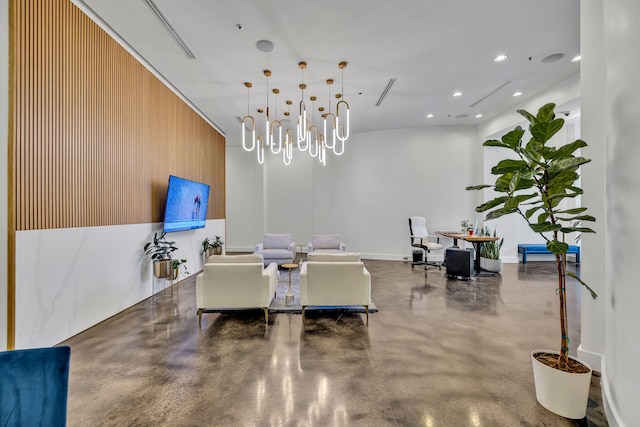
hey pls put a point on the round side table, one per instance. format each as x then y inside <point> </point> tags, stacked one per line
<point>288,298</point>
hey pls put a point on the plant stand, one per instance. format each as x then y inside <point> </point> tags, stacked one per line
<point>289,297</point>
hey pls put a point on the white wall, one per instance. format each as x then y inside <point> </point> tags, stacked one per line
<point>621,373</point>
<point>68,280</point>
<point>367,194</point>
<point>244,199</point>
<point>592,322</point>
<point>4,139</point>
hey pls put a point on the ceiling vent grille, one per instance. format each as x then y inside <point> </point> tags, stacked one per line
<point>385,92</point>
<point>490,93</point>
<point>169,28</point>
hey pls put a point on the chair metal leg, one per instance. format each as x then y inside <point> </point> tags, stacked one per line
<point>366,310</point>
<point>200,318</point>
<point>303,319</point>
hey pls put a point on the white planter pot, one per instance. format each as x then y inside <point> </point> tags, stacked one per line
<point>561,392</point>
<point>494,265</point>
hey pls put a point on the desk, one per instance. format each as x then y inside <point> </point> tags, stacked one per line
<point>477,242</point>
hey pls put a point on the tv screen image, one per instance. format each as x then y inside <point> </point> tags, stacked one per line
<point>186,206</point>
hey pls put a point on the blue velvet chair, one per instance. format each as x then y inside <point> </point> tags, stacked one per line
<point>33,386</point>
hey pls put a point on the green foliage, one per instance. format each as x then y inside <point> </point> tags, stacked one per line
<point>490,250</point>
<point>538,180</point>
<point>159,248</point>
<point>534,185</point>
<point>209,243</point>
<point>176,263</point>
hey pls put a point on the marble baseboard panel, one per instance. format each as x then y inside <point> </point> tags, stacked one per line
<point>68,280</point>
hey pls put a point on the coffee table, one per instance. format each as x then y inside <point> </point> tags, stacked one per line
<point>288,298</point>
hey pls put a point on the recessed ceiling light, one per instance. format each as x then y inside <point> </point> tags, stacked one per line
<point>517,94</point>
<point>478,116</point>
<point>429,116</point>
<point>457,94</point>
<point>576,58</point>
<point>500,58</point>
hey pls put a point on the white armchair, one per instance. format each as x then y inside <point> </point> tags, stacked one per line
<point>278,248</point>
<point>235,282</point>
<point>326,243</point>
<point>338,279</point>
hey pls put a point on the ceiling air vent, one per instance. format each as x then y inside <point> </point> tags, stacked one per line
<point>385,91</point>
<point>169,28</point>
<point>490,93</point>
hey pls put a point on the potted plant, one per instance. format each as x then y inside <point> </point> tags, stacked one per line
<point>160,251</point>
<point>466,226</point>
<point>175,268</point>
<point>212,246</point>
<point>533,185</point>
<point>490,252</point>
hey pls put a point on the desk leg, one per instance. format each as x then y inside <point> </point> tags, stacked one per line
<point>478,245</point>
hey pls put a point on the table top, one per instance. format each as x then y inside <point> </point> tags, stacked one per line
<point>289,266</point>
<point>468,237</point>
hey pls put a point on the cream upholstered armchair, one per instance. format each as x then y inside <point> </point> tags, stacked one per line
<point>235,282</point>
<point>278,248</point>
<point>326,243</point>
<point>334,279</point>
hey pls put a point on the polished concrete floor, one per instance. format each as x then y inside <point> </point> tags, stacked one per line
<point>440,352</point>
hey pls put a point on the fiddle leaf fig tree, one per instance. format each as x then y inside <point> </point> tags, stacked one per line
<point>533,185</point>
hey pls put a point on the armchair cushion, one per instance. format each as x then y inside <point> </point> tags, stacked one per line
<point>326,241</point>
<point>277,241</point>
<point>334,257</point>
<point>235,259</point>
<point>278,248</point>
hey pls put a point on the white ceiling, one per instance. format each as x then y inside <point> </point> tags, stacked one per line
<point>432,47</point>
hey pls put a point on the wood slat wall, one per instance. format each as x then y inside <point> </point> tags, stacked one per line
<point>95,134</point>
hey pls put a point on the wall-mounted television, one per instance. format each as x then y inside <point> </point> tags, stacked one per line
<point>186,206</point>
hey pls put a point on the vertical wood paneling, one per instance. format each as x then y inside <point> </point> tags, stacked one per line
<point>95,134</point>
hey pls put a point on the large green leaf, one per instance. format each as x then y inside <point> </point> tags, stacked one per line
<point>544,131</point>
<point>478,187</point>
<point>491,204</point>
<point>576,230</point>
<point>546,112</point>
<point>495,143</point>
<point>568,149</point>
<point>559,165</point>
<point>578,218</point>
<point>557,247</point>
<point>500,212</point>
<point>594,295</point>
<point>514,202</point>
<point>527,115</point>
<point>545,227</point>
<point>572,211</point>
<point>529,213</point>
<point>509,165</point>
<point>512,138</point>
<point>543,217</point>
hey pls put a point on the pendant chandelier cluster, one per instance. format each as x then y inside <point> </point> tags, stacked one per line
<point>280,139</point>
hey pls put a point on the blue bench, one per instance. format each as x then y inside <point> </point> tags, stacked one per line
<point>541,248</point>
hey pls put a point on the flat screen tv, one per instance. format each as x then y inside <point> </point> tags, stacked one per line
<point>186,206</point>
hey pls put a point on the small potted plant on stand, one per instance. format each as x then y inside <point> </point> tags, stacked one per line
<point>175,264</point>
<point>211,247</point>
<point>533,185</point>
<point>490,252</point>
<point>160,251</point>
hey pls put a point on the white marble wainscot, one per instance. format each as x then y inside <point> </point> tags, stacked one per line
<point>68,280</point>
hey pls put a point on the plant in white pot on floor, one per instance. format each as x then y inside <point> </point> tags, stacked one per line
<point>533,185</point>
<point>490,252</point>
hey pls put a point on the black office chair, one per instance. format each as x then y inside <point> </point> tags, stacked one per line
<point>420,239</point>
